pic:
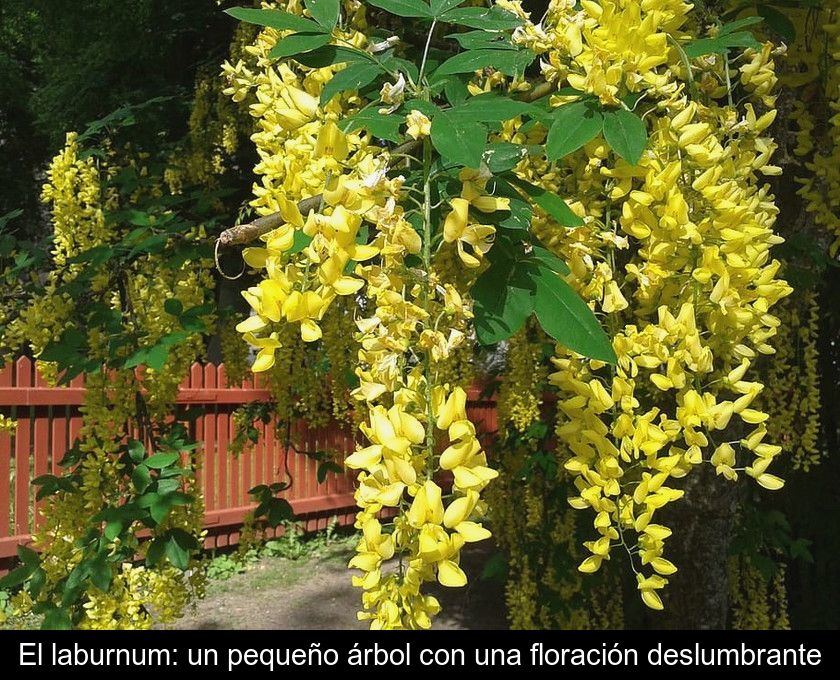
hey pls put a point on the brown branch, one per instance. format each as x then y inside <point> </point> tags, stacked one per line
<point>251,231</point>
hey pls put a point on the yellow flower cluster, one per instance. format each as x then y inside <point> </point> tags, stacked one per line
<point>234,351</point>
<point>358,235</point>
<point>80,199</point>
<point>74,191</point>
<point>399,466</point>
<point>814,61</point>
<point>7,424</point>
<point>757,603</point>
<point>792,379</point>
<point>520,395</point>
<point>675,251</point>
<point>543,589</point>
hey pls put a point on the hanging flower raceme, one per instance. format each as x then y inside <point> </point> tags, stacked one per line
<point>354,238</point>
<point>690,304</point>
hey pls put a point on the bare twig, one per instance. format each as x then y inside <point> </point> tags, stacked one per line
<point>251,231</point>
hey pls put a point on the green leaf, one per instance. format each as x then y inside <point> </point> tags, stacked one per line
<point>325,12</point>
<point>455,89</point>
<point>404,8</point>
<point>154,357</point>
<point>779,22</point>
<point>495,569</point>
<point>551,203</point>
<point>800,549</point>
<point>17,577</point>
<point>518,217</point>
<point>573,126</point>
<point>37,583</point>
<point>169,484</point>
<point>177,556</point>
<point>493,18</point>
<point>626,134</point>
<point>477,40</point>
<point>279,511</point>
<point>28,556</point>
<point>100,572</point>
<point>391,62</point>
<point>325,468</point>
<point>300,242</point>
<point>136,451</point>
<point>173,306</point>
<point>507,61</point>
<point>191,320</point>
<point>162,504</point>
<point>333,54</point>
<point>272,18</point>
<point>9,216</point>
<point>426,108</point>
<point>383,126</point>
<point>56,619</point>
<point>161,460</point>
<point>493,108</point>
<point>503,156</point>
<point>353,77</point>
<point>75,580</point>
<point>458,139</point>
<point>156,550</point>
<point>441,6</point>
<point>141,478</point>
<point>178,547</point>
<point>568,319</point>
<point>260,492</point>
<point>766,566</point>
<point>503,300</point>
<point>50,484</point>
<point>550,260</point>
<point>721,44</point>
<point>733,26</point>
<point>159,510</point>
<point>298,43</point>
<point>97,256</point>
<point>113,529</point>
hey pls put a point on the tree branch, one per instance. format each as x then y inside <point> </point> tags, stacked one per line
<point>251,231</point>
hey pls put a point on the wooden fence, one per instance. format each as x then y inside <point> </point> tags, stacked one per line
<point>48,421</point>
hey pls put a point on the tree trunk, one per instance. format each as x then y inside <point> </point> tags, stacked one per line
<point>697,596</point>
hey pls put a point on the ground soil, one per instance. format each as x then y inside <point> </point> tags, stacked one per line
<point>316,593</point>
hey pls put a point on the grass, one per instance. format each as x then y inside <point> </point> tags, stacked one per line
<point>283,562</point>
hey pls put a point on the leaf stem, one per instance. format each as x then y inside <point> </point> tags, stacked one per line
<point>426,53</point>
<point>427,266</point>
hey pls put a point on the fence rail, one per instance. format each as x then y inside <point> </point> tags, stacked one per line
<point>49,420</point>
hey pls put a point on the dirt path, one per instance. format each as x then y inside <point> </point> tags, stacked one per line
<point>316,593</point>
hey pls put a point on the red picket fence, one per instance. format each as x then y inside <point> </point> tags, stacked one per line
<point>48,421</point>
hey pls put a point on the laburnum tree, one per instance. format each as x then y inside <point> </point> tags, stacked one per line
<point>585,189</point>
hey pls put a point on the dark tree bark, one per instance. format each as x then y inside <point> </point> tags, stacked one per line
<point>697,596</point>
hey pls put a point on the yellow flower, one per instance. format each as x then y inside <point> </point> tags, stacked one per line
<point>419,125</point>
<point>331,143</point>
<point>473,240</point>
